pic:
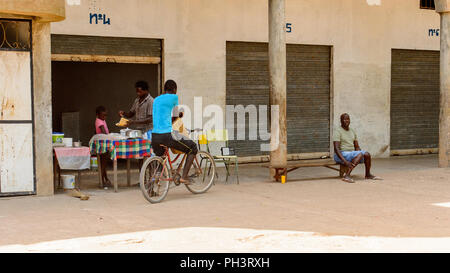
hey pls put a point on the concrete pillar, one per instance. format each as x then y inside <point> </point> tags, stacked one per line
<point>443,8</point>
<point>277,70</point>
<point>42,77</point>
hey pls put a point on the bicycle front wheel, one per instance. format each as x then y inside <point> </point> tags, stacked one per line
<point>203,173</point>
<point>154,179</point>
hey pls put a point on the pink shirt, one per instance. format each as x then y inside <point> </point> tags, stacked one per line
<point>98,123</point>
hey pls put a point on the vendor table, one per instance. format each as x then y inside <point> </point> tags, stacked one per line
<point>120,149</point>
<point>71,158</point>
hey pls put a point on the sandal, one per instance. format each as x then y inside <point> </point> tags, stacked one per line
<point>348,180</point>
<point>373,177</point>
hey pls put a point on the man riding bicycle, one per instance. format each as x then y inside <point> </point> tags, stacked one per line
<point>162,134</point>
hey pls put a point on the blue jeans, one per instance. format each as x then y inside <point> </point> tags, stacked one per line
<point>349,156</point>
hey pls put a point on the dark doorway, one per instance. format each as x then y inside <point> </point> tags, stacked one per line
<point>81,87</point>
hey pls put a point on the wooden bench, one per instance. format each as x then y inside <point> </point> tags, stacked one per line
<point>294,165</point>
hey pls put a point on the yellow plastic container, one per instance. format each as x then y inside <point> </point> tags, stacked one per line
<point>57,138</point>
<point>94,163</point>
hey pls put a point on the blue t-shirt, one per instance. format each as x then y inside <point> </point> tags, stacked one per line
<point>162,113</point>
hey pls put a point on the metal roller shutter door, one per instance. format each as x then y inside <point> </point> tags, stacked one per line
<point>247,84</point>
<point>414,99</point>
<point>308,93</point>
<point>308,98</point>
<point>96,45</point>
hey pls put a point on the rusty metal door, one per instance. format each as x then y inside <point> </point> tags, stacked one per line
<point>17,168</point>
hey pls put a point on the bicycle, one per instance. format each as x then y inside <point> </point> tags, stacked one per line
<point>157,173</point>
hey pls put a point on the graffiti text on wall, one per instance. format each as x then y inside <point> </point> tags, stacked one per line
<point>433,32</point>
<point>97,15</point>
<point>94,18</point>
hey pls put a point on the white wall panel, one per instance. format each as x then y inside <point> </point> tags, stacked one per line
<point>15,85</point>
<point>16,158</point>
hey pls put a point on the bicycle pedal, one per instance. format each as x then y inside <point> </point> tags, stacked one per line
<point>176,179</point>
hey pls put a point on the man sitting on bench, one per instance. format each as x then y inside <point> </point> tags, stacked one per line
<point>347,150</point>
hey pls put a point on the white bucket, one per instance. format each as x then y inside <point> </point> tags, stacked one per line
<point>68,181</point>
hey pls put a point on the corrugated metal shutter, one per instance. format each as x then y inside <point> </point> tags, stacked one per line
<point>247,84</point>
<point>414,99</point>
<point>308,93</point>
<point>114,46</point>
<point>308,98</point>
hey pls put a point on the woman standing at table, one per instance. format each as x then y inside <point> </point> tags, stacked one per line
<point>102,128</point>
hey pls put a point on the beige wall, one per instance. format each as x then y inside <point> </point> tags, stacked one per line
<point>195,32</point>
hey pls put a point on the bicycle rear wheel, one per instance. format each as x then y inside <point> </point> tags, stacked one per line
<point>203,173</point>
<point>154,179</point>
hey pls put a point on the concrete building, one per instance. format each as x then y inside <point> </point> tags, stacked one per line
<point>377,60</point>
<point>343,56</point>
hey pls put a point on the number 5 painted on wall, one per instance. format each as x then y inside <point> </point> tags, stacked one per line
<point>288,27</point>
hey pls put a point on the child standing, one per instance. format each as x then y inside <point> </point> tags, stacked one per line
<point>100,122</point>
<point>102,128</point>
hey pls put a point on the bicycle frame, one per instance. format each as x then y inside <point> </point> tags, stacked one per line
<point>167,159</point>
<point>167,173</point>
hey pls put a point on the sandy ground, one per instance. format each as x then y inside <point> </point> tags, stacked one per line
<point>230,240</point>
<point>408,211</point>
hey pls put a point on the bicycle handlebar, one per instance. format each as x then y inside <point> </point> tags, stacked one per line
<point>195,130</point>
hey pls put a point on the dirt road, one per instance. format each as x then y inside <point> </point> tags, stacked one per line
<point>411,202</point>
